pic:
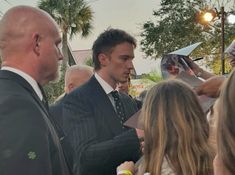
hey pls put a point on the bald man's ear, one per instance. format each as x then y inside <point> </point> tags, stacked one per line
<point>70,87</point>
<point>36,44</point>
<point>2,44</point>
<point>103,59</point>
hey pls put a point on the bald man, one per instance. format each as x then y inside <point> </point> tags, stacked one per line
<point>75,76</point>
<point>29,45</point>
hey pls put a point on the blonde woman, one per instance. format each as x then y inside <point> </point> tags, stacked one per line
<point>176,133</point>
<point>224,161</point>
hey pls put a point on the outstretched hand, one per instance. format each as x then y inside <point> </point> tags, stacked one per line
<point>126,166</point>
<point>195,68</point>
<point>211,87</point>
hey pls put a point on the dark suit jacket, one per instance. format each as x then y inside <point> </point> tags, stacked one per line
<point>56,110</point>
<point>98,138</point>
<point>29,142</point>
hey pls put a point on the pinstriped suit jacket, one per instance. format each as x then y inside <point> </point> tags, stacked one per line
<point>28,140</point>
<point>93,128</point>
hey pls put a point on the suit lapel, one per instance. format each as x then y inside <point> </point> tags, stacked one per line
<point>102,101</point>
<point>28,87</point>
<point>10,75</point>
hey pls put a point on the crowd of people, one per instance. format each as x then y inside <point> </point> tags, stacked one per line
<point>84,132</point>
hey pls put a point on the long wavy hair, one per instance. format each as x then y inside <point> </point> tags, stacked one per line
<point>175,129</point>
<point>226,124</point>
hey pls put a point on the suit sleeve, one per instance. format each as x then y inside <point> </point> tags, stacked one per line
<point>81,129</point>
<point>24,147</point>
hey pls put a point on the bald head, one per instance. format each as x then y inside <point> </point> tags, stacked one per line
<point>21,22</point>
<point>76,76</point>
<point>25,35</point>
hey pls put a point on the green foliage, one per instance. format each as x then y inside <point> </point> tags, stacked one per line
<point>89,62</point>
<point>175,26</point>
<point>153,76</point>
<point>74,17</point>
<point>215,65</point>
<point>54,89</point>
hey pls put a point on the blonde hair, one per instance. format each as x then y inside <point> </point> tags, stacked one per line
<point>226,123</point>
<point>175,128</point>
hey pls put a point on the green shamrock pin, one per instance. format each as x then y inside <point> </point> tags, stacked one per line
<point>32,155</point>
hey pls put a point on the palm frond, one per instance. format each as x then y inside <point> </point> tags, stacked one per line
<point>73,16</point>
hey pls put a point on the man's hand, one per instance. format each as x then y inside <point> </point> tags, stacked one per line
<point>198,71</point>
<point>195,68</point>
<point>128,165</point>
<point>140,134</point>
<point>211,87</point>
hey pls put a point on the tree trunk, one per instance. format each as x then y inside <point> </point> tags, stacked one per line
<point>65,53</point>
<point>65,48</point>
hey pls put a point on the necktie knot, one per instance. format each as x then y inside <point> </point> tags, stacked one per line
<point>115,95</point>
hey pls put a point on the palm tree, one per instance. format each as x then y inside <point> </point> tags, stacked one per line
<point>73,16</point>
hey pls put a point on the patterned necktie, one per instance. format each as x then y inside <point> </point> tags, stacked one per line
<point>119,106</point>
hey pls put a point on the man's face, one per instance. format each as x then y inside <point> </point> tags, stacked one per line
<point>78,78</point>
<point>119,62</point>
<point>51,54</point>
<point>123,87</point>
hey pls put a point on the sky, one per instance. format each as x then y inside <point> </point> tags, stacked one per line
<point>128,15</point>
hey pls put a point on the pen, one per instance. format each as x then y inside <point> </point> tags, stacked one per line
<point>196,59</point>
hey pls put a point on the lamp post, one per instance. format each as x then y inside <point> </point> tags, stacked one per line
<point>222,40</point>
<point>208,15</point>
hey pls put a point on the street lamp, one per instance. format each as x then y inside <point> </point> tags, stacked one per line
<point>222,39</point>
<point>231,18</point>
<point>208,15</point>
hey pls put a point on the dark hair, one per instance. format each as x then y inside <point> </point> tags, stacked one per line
<point>107,40</point>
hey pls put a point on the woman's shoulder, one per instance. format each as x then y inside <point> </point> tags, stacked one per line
<point>166,169</point>
<point>218,166</point>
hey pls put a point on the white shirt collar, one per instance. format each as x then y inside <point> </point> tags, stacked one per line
<point>28,78</point>
<point>107,88</point>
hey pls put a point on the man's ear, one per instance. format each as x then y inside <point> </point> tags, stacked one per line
<point>103,59</point>
<point>36,44</point>
<point>70,87</point>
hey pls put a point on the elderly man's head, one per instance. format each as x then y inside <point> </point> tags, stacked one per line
<point>29,41</point>
<point>76,76</point>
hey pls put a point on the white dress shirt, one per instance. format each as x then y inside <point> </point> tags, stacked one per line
<point>27,77</point>
<point>107,88</point>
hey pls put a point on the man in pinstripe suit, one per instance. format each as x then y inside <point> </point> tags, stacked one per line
<point>100,140</point>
